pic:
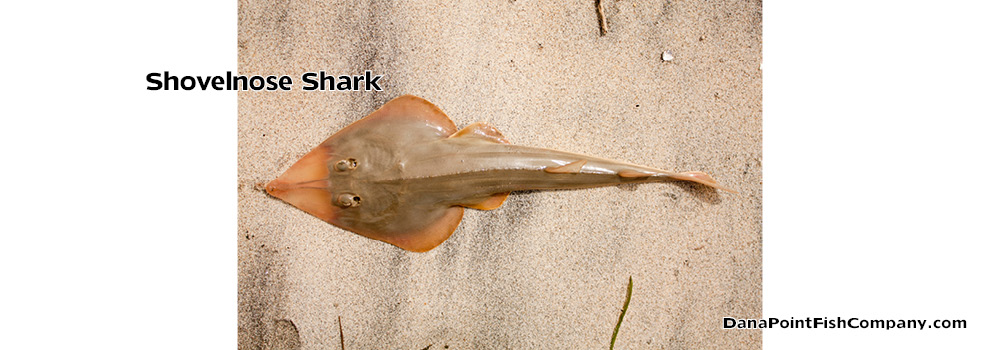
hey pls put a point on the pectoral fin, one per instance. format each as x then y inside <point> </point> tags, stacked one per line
<point>425,238</point>
<point>399,123</point>
<point>491,203</point>
<point>412,108</point>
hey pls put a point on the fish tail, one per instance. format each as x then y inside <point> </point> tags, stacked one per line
<point>699,177</point>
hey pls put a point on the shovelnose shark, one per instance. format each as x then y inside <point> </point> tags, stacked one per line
<point>404,173</point>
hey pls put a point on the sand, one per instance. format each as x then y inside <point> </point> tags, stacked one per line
<point>548,269</point>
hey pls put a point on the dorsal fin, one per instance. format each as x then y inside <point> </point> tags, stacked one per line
<point>568,168</point>
<point>633,174</point>
<point>481,130</point>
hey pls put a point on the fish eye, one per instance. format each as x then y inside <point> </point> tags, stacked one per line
<point>348,200</point>
<point>346,164</point>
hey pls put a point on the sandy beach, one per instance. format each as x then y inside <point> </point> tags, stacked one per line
<point>548,269</point>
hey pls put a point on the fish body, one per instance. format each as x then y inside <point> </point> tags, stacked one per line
<point>403,174</point>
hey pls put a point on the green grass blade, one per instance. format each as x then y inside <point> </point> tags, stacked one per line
<point>621,317</point>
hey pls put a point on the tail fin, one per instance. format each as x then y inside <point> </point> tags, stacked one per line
<point>699,177</point>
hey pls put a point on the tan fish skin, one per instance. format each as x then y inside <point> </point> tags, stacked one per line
<point>403,174</point>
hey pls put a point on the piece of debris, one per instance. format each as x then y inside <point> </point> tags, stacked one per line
<point>600,18</point>
<point>621,317</point>
<point>667,56</point>
<point>341,326</point>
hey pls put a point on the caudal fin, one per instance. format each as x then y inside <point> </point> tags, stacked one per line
<point>699,177</point>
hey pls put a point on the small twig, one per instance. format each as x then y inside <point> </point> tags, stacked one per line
<point>628,297</point>
<point>341,325</point>
<point>600,18</point>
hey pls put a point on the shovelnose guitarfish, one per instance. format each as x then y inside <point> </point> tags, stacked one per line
<point>405,173</point>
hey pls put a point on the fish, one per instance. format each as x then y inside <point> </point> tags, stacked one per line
<point>404,174</point>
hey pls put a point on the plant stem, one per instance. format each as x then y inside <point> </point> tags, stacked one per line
<point>621,317</point>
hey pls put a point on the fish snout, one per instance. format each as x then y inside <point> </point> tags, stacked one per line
<point>281,188</point>
<point>312,197</point>
<point>275,188</point>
